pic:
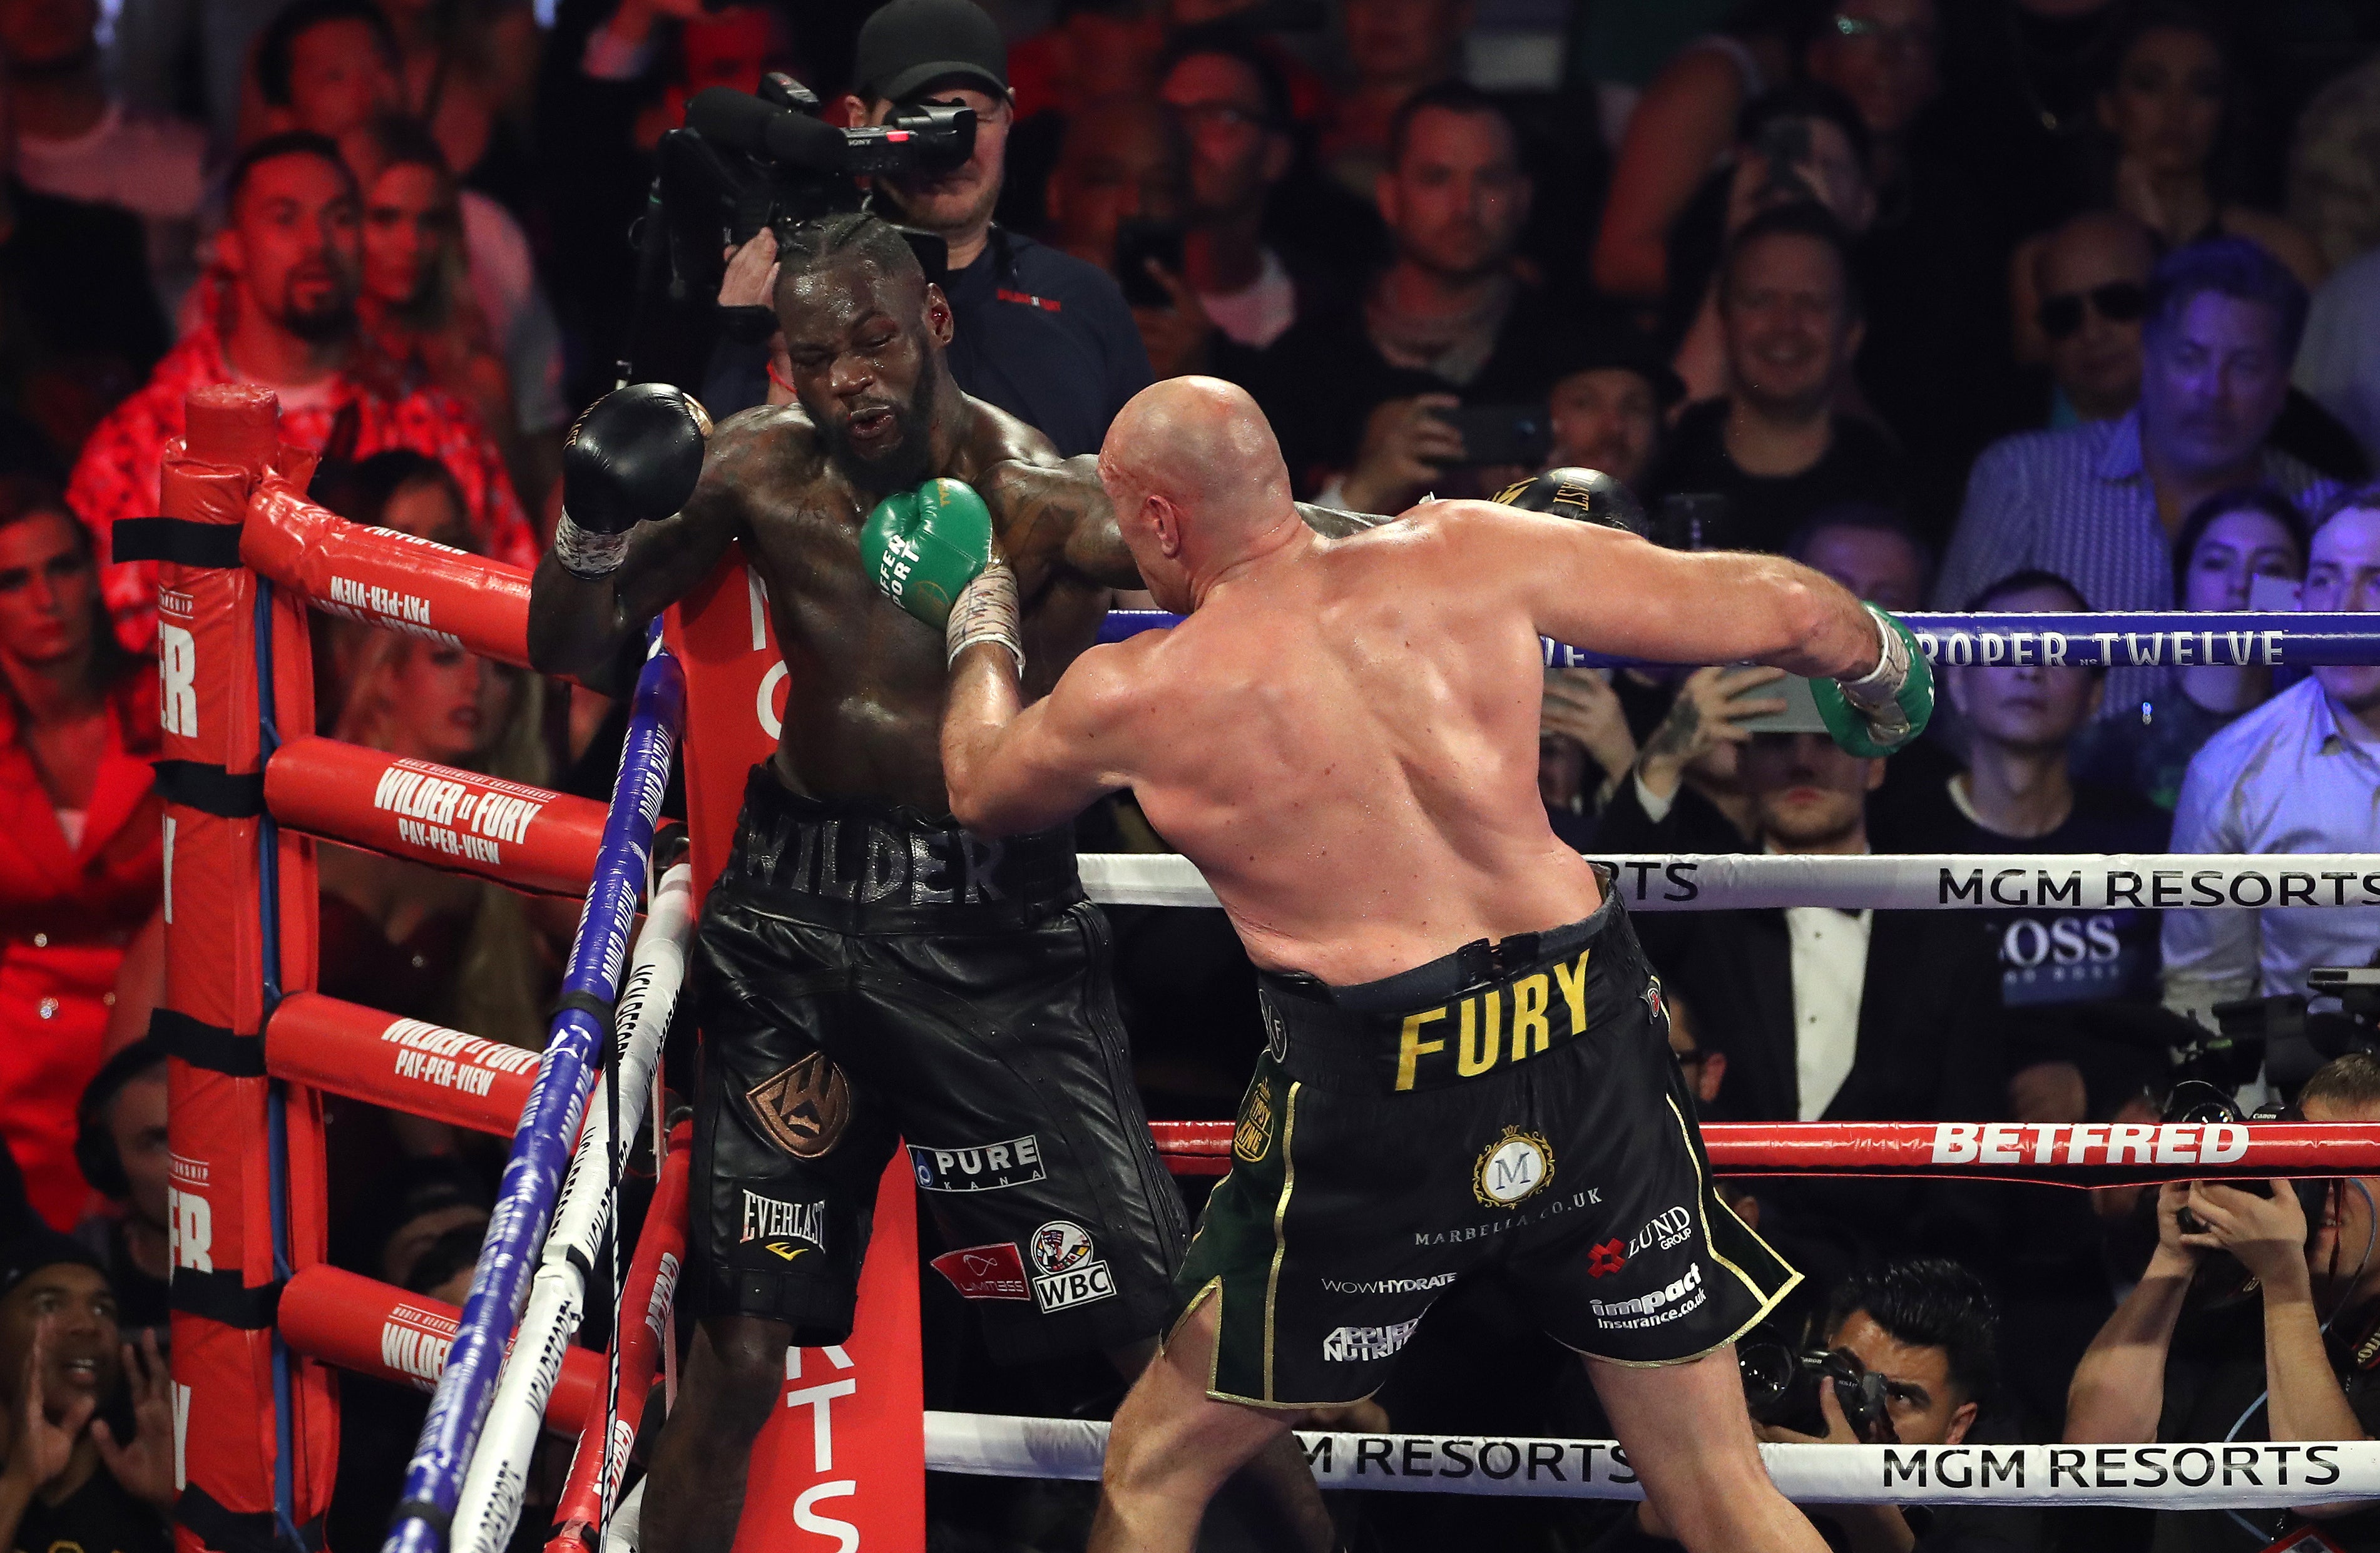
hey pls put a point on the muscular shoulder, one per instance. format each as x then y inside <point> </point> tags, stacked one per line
<point>774,444</point>
<point>996,437</point>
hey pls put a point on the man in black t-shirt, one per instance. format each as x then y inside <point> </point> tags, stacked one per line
<point>2018,794</point>
<point>82,1469</point>
<point>1775,447</point>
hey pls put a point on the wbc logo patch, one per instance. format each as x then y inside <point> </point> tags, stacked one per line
<point>1068,1274</point>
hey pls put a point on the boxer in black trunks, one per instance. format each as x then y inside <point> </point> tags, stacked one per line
<point>865,968</point>
<point>1467,1061</point>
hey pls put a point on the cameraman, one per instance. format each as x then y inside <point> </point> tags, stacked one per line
<point>1929,1329</point>
<point>2186,1356</point>
<point>1040,334</point>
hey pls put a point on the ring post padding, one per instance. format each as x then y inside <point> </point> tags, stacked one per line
<point>498,1476</point>
<point>596,1467</point>
<point>2241,1474</point>
<point>2050,1153</point>
<point>2101,640</point>
<point>376,1329</point>
<point>529,839</point>
<point>1897,881</point>
<point>258,1435</point>
<point>407,1065</point>
<point>382,578</point>
<point>550,1122</point>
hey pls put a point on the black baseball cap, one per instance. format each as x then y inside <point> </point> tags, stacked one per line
<point>1604,343</point>
<point>910,44</point>
<point>36,1249</point>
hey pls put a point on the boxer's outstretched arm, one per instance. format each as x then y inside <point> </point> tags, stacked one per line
<point>1610,592</point>
<point>1013,769</point>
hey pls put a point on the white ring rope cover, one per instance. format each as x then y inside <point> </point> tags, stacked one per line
<point>2239,1475</point>
<point>1905,881</point>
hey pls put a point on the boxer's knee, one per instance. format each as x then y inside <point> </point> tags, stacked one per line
<point>739,1370</point>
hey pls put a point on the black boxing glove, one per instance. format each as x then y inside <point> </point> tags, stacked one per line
<point>1581,495</point>
<point>634,456</point>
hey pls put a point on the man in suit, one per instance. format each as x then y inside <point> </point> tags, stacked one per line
<point>1834,1015</point>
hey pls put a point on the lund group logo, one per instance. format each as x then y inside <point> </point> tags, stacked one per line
<point>1605,1259</point>
<point>1669,1228</point>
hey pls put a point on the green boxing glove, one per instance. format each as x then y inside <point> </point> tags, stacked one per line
<point>1884,708</point>
<point>924,546</point>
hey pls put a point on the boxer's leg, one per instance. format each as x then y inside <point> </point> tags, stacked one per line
<point>1689,1438</point>
<point>695,1495</point>
<point>1173,1446</point>
<point>1274,1494</point>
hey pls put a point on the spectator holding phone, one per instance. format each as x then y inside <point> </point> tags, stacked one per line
<point>1362,403</point>
<point>2278,1349</point>
<point>1115,200</point>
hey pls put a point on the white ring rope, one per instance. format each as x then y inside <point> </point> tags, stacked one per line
<point>1905,881</point>
<point>2205,1476</point>
<point>498,1476</point>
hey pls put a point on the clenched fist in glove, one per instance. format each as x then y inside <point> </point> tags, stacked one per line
<point>633,457</point>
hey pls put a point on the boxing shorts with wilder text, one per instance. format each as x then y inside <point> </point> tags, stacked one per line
<point>868,976</point>
<point>1512,1105</point>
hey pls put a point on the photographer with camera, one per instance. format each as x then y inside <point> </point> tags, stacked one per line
<point>2254,1321</point>
<point>1040,334</point>
<point>1909,1356</point>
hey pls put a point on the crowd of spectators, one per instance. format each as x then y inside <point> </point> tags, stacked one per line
<point>2006,305</point>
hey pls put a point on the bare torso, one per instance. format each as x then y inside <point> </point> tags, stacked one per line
<point>864,704</point>
<point>1344,742</point>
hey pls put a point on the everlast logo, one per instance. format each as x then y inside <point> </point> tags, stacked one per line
<point>1545,1009</point>
<point>768,1218</point>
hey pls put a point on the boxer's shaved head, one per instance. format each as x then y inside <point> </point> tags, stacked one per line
<point>1197,479</point>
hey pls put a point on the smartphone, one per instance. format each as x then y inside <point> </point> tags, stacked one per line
<point>1501,433</point>
<point>1139,239</point>
<point>1801,713</point>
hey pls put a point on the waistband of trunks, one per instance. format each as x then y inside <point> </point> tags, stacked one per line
<point>861,866</point>
<point>1477,1012</point>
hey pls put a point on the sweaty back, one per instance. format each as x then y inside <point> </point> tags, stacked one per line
<point>1346,745</point>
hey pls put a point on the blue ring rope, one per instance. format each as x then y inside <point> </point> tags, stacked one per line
<point>549,1123</point>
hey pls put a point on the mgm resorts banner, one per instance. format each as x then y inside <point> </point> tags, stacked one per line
<point>1997,881</point>
<point>2198,1476</point>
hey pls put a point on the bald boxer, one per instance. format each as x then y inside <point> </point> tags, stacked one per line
<point>1467,1062</point>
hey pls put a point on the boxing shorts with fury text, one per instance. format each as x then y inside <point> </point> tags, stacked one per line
<point>1512,1104</point>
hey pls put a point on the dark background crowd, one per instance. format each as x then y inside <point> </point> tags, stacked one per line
<point>2018,305</point>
